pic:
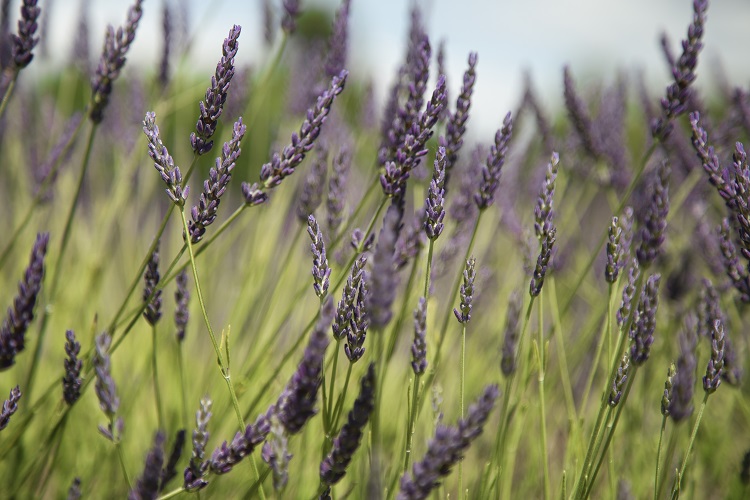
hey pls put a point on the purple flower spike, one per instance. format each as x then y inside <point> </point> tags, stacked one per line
<point>456,126</point>
<point>384,279</point>
<point>339,41</point>
<point>182,311</point>
<point>10,406</point>
<point>580,118</point>
<point>116,45</point>
<point>419,346</point>
<point>105,385</point>
<point>216,95</point>
<point>204,214</point>
<point>512,332</point>
<point>297,403</point>
<point>683,382</point>
<point>346,305</point>
<point>226,456</point>
<point>434,204</point>
<point>463,315</point>
<point>21,313</point>
<point>25,41</point>
<point>163,162</point>
<point>653,232</point>
<point>321,271</point>
<point>715,368</point>
<point>447,448</point>
<point>495,161</point>
<point>621,377</point>
<point>333,467</point>
<point>336,200</point>
<point>683,71</point>
<point>644,323</point>
<point>152,296</point>
<point>147,486</point>
<point>283,164</point>
<point>193,477</point>
<point>73,365</point>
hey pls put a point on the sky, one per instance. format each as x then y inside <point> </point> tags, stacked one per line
<point>596,38</point>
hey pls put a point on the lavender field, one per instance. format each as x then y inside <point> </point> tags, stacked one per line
<point>266,283</point>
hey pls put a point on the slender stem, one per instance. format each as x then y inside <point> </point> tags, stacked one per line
<point>669,457</point>
<point>329,410</point>
<point>426,293</point>
<point>118,447</point>
<point>658,456</point>
<point>412,421</point>
<point>342,397</point>
<point>462,393</point>
<point>681,475</point>
<point>183,393</point>
<point>157,393</point>
<point>8,91</point>
<point>604,337</point>
<point>543,415</point>
<point>59,265</point>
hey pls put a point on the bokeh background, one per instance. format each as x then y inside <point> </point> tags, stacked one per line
<point>595,37</point>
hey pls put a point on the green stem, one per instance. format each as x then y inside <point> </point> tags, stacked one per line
<point>157,393</point>
<point>462,393</point>
<point>543,415</point>
<point>120,456</point>
<point>412,421</point>
<point>681,475</point>
<point>605,336</point>
<point>426,293</point>
<point>58,266</point>
<point>329,409</point>
<point>8,91</point>
<point>183,393</point>
<point>658,456</point>
<point>342,397</point>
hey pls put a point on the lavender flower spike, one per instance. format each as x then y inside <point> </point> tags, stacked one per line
<point>73,365</point>
<point>467,292</point>
<point>712,379</point>
<point>683,71</point>
<point>447,448</point>
<point>346,305</point>
<point>147,486</point>
<point>621,377</point>
<point>419,346</point>
<point>152,296</point>
<point>358,324</point>
<point>333,467</point>
<point>456,126</point>
<point>666,399</point>
<point>339,41</point>
<point>10,406</point>
<point>216,95</point>
<point>276,454</point>
<point>653,232</point>
<point>194,472</point>
<point>320,270</point>
<point>495,161</point>
<point>615,254</point>
<point>283,164</point>
<point>226,456</point>
<point>683,382</point>
<point>512,332</point>
<point>116,45</point>
<point>21,313</point>
<point>25,41</point>
<point>297,403</point>
<point>291,13</point>
<point>434,204</point>
<point>337,189</point>
<point>163,161</point>
<point>215,186</point>
<point>105,385</point>
<point>384,278</point>
<point>644,323</point>
<point>542,262</point>
<point>543,212</point>
<point>182,298</point>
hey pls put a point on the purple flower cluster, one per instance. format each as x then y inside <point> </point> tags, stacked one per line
<point>384,279</point>
<point>337,189</point>
<point>147,486</point>
<point>21,313</point>
<point>456,126</point>
<point>25,41</point>
<point>683,71</point>
<point>512,333</point>
<point>419,346</point>
<point>346,306</point>
<point>653,232</point>
<point>283,164</point>
<point>683,382</point>
<point>494,165</point>
<point>152,296</point>
<point>163,162</point>
<point>618,384</point>
<point>544,227</point>
<point>216,95</point>
<point>194,472</point>
<point>116,45</point>
<point>311,194</point>
<point>447,448</point>
<point>73,365</point>
<point>182,298</point>
<point>333,467</point>
<point>215,186</point>
<point>715,367</point>
<point>10,406</point>
<point>644,321</point>
<point>321,271</point>
<point>463,314</point>
<point>434,204</point>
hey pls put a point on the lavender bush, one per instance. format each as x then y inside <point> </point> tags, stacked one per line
<point>625,214</point>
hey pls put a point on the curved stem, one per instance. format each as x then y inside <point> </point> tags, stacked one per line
<point>543,415</point>
<point>8,92</point>
<point>658,456</point>
<point>681,475</point>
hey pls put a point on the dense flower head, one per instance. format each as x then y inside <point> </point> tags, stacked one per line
<point>116,45</point>
<point>542,262</point>
<point>106,391</point>
<point>463,314</point>
<point>447,448</point>
<point>715,367</point>
<point>227,455</point>
<point>311,193</point>
<point>455,128</point>
<point>216,95</point>
<point>580,118</point>
<point>333,467</point>
<point>163,162</point>
<point>512,333</point>
<point>151,295</point>
<point>25,41</point>
<point>283,164</point>
<point>147,486</point>
<point>683,382</point>
<point>683,72</point>
<point>384,278</point>
<point>358,324</point>
<point>10,406</point>
<point>297,403</point>
<point>182,299</point>
<point>193,477</point>
<point>737,273</point>
<point>543,212</point>
<point>618,384</point>
<point>493,167</point>
<point>653,232</point>
<point>204,214</point>
<point>345,307</point>
<point>73,365</point>
<point>321,271</point>
<point>614,252</point>
<point>21,313</point>
<point>419,346</point>
<point>338,44</point>
<point>666,398</point>
<point>336,200</point>
<point>644,323</point>
<point>276,454</point>
<point>435,201</point>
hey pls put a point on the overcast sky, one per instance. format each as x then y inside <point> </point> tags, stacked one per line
<point>595,37</point>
